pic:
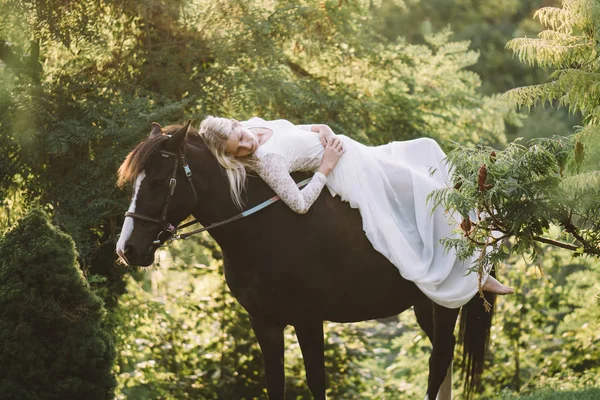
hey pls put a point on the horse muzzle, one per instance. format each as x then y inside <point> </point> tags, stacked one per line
<point>132,257</point>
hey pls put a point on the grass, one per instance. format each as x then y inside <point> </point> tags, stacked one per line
<point>587,394</point>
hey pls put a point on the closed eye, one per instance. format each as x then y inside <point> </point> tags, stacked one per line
<point>239,141</point>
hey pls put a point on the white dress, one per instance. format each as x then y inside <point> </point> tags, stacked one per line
<point>389,184</point>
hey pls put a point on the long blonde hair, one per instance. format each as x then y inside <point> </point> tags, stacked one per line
<point>215,132</point>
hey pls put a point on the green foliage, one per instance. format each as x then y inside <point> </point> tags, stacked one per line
<point>520,192</point>
<point>481,22</point>
<point>569,44</point>
<point>53,344</point>
<point>516,193</point>
<point>12,207</point>
<point>546,336</point>
<point>590,394</point>
<point>487,27</point>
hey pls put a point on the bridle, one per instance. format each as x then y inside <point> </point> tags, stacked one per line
<point>168,231</point>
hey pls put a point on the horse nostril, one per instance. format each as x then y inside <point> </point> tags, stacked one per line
<point>126,249</point>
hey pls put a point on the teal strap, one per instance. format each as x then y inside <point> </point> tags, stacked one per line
<point>234,218</point>
<point>271,200</point>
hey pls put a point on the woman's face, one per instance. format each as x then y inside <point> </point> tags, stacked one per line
<point>241,142</point>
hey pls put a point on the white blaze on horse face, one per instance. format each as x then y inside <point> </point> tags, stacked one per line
<point>128,223</point>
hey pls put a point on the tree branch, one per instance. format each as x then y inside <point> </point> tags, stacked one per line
<point>556,243</point>
<point>498,224</point>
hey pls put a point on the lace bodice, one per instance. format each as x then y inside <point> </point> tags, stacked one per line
<point>273,170</point>
<point>290,148</point>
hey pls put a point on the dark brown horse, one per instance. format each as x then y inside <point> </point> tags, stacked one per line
<point>286,268</point>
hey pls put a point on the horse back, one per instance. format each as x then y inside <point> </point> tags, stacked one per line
<point>287,267</point>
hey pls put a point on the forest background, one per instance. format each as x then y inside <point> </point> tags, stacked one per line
<point>81,81</point>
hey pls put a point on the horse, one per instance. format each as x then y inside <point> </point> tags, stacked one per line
<point>286,268</point>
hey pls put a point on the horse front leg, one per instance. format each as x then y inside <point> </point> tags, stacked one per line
<point>310,338</point>
<point>270,340</point>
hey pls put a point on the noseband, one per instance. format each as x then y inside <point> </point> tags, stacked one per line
<point>168,229</point>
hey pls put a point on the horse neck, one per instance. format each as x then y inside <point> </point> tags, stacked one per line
<point>214,202</point>
<point>228,236</point>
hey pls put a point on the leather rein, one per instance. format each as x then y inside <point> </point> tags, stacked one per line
<point>169,232</point>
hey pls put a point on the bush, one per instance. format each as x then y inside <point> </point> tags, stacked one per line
<point>588,394</point>
<point>52,343</point>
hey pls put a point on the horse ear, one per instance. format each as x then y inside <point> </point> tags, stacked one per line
<point>174,142</point>
<point>156,129</point>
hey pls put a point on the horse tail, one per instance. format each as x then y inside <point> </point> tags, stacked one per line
<point>474,336</point>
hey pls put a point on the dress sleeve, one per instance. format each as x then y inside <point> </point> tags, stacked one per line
<point>304,127</point>
<point>273,170</point>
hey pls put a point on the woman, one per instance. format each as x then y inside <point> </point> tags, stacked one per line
<point>389,185</point>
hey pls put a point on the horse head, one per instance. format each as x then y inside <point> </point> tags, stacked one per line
<point>166,188</point>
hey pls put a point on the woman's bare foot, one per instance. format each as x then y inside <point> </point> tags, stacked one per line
<point>493,286</point>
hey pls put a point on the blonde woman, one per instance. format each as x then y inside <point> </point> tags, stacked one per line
<point>389,185</point>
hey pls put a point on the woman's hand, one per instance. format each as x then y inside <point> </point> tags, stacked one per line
<point>324,132</point>
<point>334,150</point>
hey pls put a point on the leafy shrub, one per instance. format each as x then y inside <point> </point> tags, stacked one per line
<point>52,343</point>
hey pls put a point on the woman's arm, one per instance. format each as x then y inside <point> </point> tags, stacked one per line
<point>305,127</point>
<point>324,131</point>
<point>273,170</point>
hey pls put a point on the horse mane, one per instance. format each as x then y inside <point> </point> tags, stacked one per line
<point>136,160</point>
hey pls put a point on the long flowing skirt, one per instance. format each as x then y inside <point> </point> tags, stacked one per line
<point>389,185</point>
